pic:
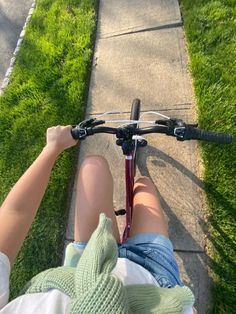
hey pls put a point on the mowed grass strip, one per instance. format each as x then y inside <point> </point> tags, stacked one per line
<point>48,87</point>
<point>210,28</point>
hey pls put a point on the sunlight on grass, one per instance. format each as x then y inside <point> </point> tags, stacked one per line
<point>210,29</point>
<point>48,87</point>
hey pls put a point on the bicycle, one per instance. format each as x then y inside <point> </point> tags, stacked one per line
<point>129,138</point>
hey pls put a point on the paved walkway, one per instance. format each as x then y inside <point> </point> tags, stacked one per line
<point>12,19</point>
<point>141,53</point>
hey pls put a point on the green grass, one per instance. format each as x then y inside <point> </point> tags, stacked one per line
<point>210,27</point>
<point>48,87</point>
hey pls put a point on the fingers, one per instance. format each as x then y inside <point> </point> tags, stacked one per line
<point>60,137</point>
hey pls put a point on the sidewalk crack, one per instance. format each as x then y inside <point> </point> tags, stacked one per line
<point>165,26</point>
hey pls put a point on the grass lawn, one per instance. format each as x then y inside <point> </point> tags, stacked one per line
<point>211,33</point>
<point>48,87</point>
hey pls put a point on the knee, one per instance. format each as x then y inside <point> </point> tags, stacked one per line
<point>143,181</point>
<point>95,169</point>
<point>143,184</point>
<point>94,164</point>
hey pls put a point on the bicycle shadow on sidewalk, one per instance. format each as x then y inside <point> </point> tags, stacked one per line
<point>163,160</point>
<point>170,176</point>
<point>193,263</point>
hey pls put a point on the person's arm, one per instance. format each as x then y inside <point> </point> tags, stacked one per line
<point>20,207</point>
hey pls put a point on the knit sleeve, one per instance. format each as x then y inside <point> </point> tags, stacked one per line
<point>159,300</point>
<point>4,279</point>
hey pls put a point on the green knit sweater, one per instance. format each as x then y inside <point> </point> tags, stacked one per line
<point>94,290</point>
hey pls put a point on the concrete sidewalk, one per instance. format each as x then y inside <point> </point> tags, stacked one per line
<point>141,53</point>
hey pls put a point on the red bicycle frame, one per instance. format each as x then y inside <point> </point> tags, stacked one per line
<point>171,127</point>
<point>129,181</point>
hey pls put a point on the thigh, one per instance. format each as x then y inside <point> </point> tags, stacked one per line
<point>94,195</point>
<point>148,215</point>
<point>154,252</point>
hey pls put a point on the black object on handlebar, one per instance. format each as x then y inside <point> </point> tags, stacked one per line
<point>180,130</point>
<point>183,132</point>
<point>191,133</point>
<point>78,133</point>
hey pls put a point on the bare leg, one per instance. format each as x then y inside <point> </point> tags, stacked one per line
<point>148,215</point>
<point>94,196</point>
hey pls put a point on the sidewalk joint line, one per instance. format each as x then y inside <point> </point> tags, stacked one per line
<point>156,28</point>
<point>155,109</point>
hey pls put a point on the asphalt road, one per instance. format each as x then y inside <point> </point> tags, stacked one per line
<point>13,14</point>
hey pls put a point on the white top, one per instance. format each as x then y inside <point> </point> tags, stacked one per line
<point>54,301</point>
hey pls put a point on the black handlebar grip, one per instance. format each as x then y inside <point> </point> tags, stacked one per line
<point>198,134</point>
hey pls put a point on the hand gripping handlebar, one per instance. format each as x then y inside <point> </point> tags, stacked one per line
<point>173,127</point>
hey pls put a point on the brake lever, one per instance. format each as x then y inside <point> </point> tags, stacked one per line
<point>173,122</point>
<point>90,123</point>
<point>98,122</point>
<point>176,127</point>
<point>86,123</point>
<point>195,125</point>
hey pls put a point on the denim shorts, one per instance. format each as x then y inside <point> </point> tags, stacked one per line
<point>152,251</point>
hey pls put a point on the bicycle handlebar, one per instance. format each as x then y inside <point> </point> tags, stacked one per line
<point>182,133</point>
<point>192,133</point>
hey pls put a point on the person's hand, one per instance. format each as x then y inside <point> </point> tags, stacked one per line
<point>59,138</point>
